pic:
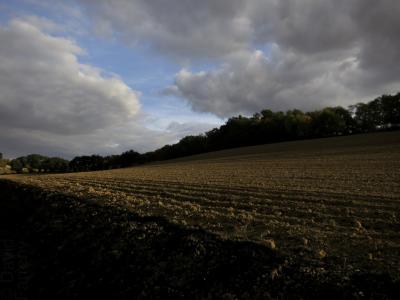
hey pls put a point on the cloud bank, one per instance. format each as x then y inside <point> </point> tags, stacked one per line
<point>269,54</point>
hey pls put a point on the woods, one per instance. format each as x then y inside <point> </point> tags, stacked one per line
<point>35,163</point>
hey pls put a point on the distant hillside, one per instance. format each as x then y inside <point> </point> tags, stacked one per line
<point>300,148</point>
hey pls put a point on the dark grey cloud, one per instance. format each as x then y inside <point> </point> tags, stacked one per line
<point>218,28</point>
<point>181,29</point>
<point>307,26</point>
<point>313,52</point>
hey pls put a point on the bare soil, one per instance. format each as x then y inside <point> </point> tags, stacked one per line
<point>320,215</point>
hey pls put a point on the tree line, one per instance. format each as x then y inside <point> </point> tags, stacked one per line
<point>35,163</point>
<point>264,127</point>
<point>382,113</point>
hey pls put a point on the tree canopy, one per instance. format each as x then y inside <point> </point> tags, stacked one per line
<point>38,163</point>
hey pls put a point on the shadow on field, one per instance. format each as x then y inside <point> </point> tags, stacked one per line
<point>60,247</point>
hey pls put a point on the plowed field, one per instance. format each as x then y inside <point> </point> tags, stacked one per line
<point>332,203</point>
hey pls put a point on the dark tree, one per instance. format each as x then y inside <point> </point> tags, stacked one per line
<point>55,165</point>
<point>390,106</point>
<point>16,165</point>
<point>129,158</point>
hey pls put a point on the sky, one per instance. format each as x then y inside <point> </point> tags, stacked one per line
<point>101,77</point>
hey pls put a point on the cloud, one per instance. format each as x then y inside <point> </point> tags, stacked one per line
<point>254,82</point>
<point>52,104</point>
<point>44,87</point>
<point>179,29</point>
<point>280,81</point>
<point>218,28</point>
<point>268,53</point>
<point>278,54</point>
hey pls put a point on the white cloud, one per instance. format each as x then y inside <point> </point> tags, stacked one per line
<point>254,82</point>
<point>44,86</point>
